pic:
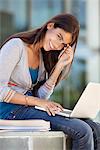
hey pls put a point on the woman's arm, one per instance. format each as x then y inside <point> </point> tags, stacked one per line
<point>9,57</point>
<point>65,58</point>
<point>47,88</point>
<point>51,107</point>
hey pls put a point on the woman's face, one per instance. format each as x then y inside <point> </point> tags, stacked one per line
<point>56,38</point>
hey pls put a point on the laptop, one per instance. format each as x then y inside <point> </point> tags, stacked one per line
<point>87,106</point>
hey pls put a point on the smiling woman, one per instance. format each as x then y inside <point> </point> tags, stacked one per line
<point>56,38</point>
<point>32,63</point>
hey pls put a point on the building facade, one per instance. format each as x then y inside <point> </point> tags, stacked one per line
<point>16,16</point>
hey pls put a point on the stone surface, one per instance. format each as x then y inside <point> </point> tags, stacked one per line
<point>32,141</point>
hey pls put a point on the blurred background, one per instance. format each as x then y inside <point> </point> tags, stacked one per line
<point>21,15</point>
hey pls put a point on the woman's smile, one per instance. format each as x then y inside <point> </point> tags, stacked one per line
<point>56,38</point>
<point>52,47</point>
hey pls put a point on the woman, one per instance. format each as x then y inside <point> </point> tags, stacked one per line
<point>31,65</point>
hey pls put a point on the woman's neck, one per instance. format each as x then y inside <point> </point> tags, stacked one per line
<point>33,57</point>
<point>31,47</point>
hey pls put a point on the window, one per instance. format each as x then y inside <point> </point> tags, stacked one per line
<point>79,10</point>
<point>42,10</point>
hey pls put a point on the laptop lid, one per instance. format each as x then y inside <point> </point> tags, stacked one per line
<point>88,104</point>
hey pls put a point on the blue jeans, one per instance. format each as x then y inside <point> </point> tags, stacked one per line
<point>78,130</point>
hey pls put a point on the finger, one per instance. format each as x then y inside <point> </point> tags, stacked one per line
<point>68,61</point>
<point>63,51</point>
<point>58,110</point>
<point>69,53</point>
<point>61,54</point>
<point>67,45</point>
<point>47,110</point>
<point>59,106</point>
<point>52,111</point>
<point>69,50</point>
<point>70,47</point>
<point>53,106</point>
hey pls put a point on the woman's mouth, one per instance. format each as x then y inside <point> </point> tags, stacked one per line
<point>51,45</point>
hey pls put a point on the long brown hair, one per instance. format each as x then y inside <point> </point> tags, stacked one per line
<point>64,21</point>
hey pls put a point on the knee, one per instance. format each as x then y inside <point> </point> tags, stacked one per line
<point>85,130</point>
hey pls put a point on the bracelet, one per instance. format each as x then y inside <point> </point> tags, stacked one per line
<point>48,86</point>
<point>26,100</point>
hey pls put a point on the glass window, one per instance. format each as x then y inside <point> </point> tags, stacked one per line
<point>42,10</point>
<point>79,10</point>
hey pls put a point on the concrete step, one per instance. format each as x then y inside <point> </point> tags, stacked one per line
<point>33,141</point>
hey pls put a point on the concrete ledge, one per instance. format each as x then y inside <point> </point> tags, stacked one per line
<point>33,141</point>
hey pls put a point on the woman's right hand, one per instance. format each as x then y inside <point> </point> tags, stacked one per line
<point>65,58</point>
<point>51,107</point>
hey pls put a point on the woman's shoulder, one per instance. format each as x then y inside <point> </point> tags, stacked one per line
<point>14,42</point>
<point>14,45</point>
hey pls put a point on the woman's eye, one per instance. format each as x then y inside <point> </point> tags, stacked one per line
<point>60,38</point>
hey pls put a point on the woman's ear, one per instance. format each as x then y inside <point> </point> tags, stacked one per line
<point>50,25</point>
